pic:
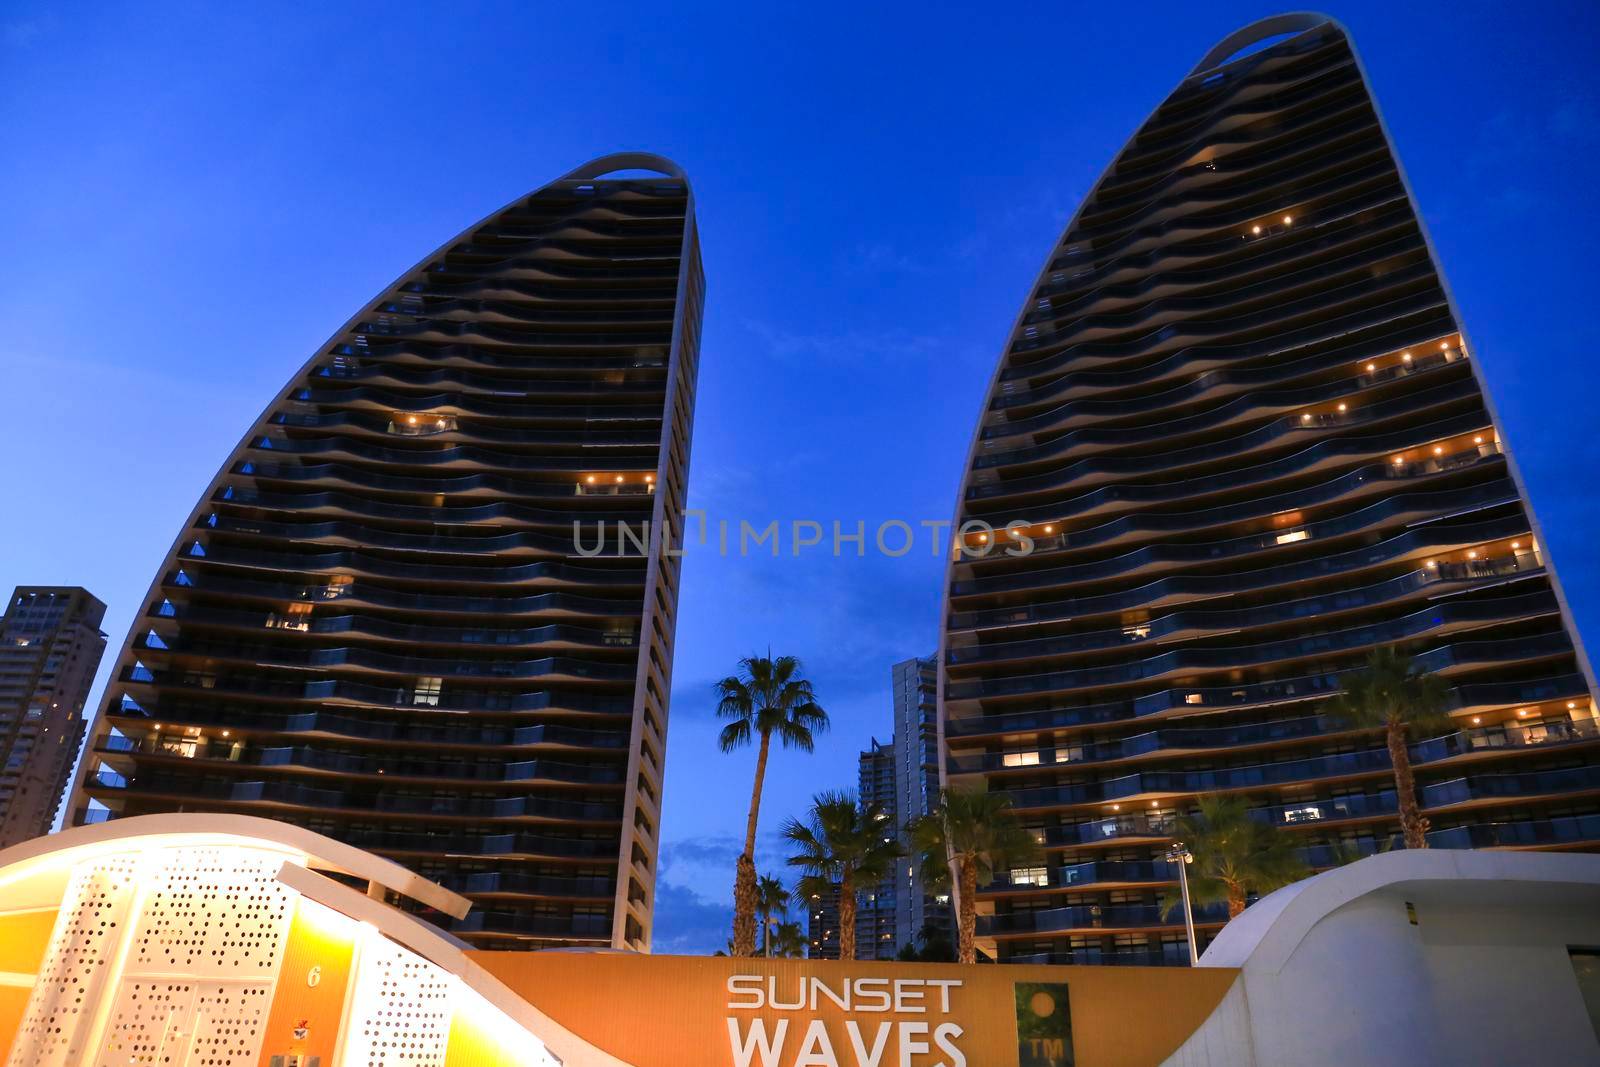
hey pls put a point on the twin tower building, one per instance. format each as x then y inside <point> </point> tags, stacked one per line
<point>1237,414</point>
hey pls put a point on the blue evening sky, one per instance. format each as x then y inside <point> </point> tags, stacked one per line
<point>197,195</point>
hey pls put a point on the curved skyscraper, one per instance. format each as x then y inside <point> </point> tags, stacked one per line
<point>1241,426</point>
<point>391,618</point>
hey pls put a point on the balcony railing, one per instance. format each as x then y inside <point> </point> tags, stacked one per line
<point>1094,917</point>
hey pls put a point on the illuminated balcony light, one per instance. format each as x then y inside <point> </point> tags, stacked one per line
<point>1522,713</point>
<point>1306,417</point>
<point>649,477</point>
<point>1116,807</point>
<point>1476,719</point>
<point>619,479</point>
<point>1154,803</point>
<point>1433,565</point>
<point>1292,536</point>
<point>1256,230</point>
<point>1399,461</point>
<point>1478,440</point>
<point>225,733</point>
<point>1516,544</point>
<point>1406,356</point>
<point>982,538</point>
<point>1049,529</point>
<point>1343,407</point>
<point>1288,220</point>
<point>1473,554</point>
<point>1438,450</point>
<point>590,479</point>
<point>1572,704</point>
<point>1444,346</point>
<point>1371,367</point>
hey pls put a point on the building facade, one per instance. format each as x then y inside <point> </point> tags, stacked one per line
<point>916,768</point>
<point>1239,426</point>
<point>50,648</point>
<point>877,907</point>
<point>404,614</point>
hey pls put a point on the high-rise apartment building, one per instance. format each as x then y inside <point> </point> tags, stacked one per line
<point>1240,425</point>
<point>901,779</point>
<point>877,906</point>
<point>50,647</point>
<point>916,768</point>
<point>393,619</point>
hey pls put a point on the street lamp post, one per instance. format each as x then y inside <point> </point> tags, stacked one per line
<point>1183,857</point>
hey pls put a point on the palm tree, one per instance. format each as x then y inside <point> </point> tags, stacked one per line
<point>972,834</point>
<point>1234,855</point>
<point>840,843</point>
<point>1393,694</point>
<point>789,941</point>
<point>768,696</point>
<point>771,896</point>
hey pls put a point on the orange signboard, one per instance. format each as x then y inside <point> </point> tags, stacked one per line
<point>695,1011</point>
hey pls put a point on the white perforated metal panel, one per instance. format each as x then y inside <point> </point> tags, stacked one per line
<point>195,937</point>
<point>401,1014</point>
<point>149,1024</point>
<point>77,964</point>
<point>212,913</point>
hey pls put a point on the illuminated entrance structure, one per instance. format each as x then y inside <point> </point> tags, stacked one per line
<point>232,941</point>
<point>226,941</point>
<point>1240,422</point>
<point>377,623</point>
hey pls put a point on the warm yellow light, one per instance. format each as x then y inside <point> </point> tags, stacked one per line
<point>1288,219</point>
<point>1306,417</point>
<point>225,733</point>
<point>1476,719</point>
<point>1406,356</point>
<point>590,479</point>
<point>649,477</point>
<point>1016,533</point>
<point>1372,366</point>
<point>1153,803</point>
<point>1116,807</point>
<point>1478,440</point>
<point>1438,450</point>
<point>1432,565</point>
<point>1255,230</point>
<point>1444,346</point>
<point>1473,554</point>
<point>1049,529</point>
<point>1516,544</point>
<point>1399,460</point>
<point>983,537</point>
<point>1342,407</point>
<point>158,726</point>
<point>1522,713</point>
<point>1572,703</point>
<point>412,419</point>
<point>619,479</point>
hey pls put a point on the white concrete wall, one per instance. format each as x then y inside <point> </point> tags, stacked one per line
<point>1339,976</point>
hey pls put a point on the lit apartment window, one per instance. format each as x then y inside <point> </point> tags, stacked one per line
<point>1020,759</point>
<point>1291,536</point>
<point>1030,876</point>
<point>427,691</point>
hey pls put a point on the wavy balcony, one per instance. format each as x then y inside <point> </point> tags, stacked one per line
<point>1402,548</point>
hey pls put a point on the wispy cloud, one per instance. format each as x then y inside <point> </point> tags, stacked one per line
<point>854,346</point>
<point>21,33</point>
